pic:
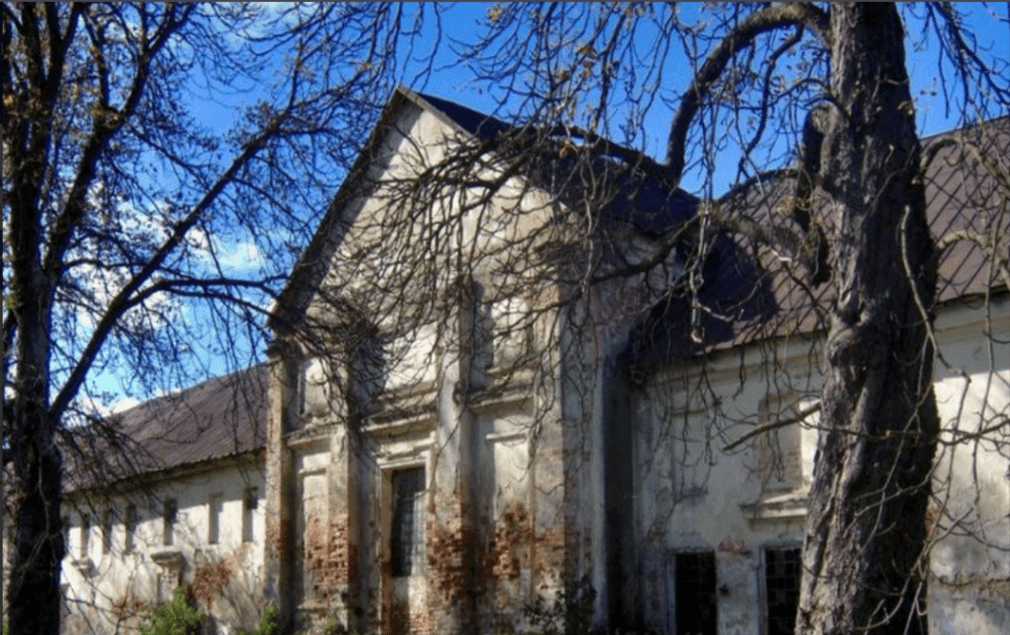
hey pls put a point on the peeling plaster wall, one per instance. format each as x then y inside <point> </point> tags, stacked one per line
<point>491,536</point>
<point>690,495</point>
<point>499,535</point>
<point>504,519</point>
<point>969,588</point>
<point>106,591</point>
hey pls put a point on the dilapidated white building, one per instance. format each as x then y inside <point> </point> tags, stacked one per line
<point>173,498</point>
<point>466,432</point>
<point>536,438</point>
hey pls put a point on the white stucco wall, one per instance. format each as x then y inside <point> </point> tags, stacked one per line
<point>970,565</point>
<point>691,495</point>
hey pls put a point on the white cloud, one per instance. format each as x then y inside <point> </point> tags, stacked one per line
<point>239,257</point>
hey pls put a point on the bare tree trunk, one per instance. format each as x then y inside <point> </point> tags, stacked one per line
<point>866,525</point>
<point>38,548</point>
<point>33,592</point>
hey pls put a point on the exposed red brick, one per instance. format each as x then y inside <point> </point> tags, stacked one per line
<point>513,532</point>
<point>129,606</point>
<point>210,579</point>
<point>932,516</point>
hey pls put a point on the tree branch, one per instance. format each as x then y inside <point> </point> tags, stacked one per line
<point>773,425</point>
<point>742,36</point>
<point>124,300</point>
<point>985,241</point>
<point>106,122</point>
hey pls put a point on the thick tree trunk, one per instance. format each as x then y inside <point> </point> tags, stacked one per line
<point>38,547</point>
<point>866,526</point>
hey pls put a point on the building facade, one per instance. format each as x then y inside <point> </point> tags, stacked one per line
<point>464,433</point>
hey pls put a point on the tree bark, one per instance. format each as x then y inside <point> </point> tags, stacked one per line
<point>38,543</point>
<point>866,529</point>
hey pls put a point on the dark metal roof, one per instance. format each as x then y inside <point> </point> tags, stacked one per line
<point>478,124</point>
<point>221,417</point>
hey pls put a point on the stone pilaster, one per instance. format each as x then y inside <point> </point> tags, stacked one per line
<point>278,543</point>
<point>450,535</point>
<point>337,571</point>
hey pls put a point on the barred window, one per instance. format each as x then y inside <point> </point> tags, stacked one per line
<point>407,536</point>
<point>696,593</point>
<point>782,589</point>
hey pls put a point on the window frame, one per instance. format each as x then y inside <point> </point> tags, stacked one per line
<point>766,617</point>
<point>108,527</point>
<point>85,546</point>
<point>215,506</point>
<point>688,592</point>
<point>65,521</point>
<point>402,563</point>
<point>130,522</point>
<point>250,503</point>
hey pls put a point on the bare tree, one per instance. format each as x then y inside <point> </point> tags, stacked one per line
<point>136,234</point>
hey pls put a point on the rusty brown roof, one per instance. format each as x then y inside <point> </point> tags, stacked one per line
<point>218,418</point>
<point>968,191</point>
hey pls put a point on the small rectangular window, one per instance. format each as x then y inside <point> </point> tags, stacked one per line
<point>108,526</point>
<point>696,593</point>
<point>130,522</point>
<point>782,589</point>
<point>406,544</point>
<point>85,534</point>
<point>214,509</point>
<point>169,515</point>
<point>249,504</point>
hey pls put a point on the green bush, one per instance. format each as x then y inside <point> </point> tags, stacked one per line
<point>178,617</point>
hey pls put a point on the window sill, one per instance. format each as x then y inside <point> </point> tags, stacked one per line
<point>786,507</point>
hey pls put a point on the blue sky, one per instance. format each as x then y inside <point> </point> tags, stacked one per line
<point>452,79</point>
